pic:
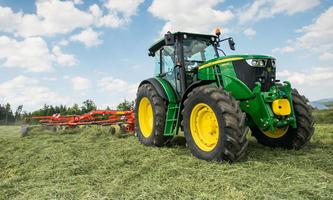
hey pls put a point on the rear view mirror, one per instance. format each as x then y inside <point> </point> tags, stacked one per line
<point>231,44</point>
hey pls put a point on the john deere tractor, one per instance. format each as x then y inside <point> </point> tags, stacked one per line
<point>215,99</point>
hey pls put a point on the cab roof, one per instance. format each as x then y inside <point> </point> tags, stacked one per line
<point>157,45</point>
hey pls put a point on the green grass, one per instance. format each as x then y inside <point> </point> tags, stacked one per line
<point>323,116</point>
<point>90,164</point>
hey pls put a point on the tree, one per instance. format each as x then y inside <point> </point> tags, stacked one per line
<point>9,114</point>
<point>88,105</point>
<point>6,114</point>
<point>74,110</point>
<point>2,113</point>
<point>18,113</point>
<point>126,105</point>
<point>45,110</point>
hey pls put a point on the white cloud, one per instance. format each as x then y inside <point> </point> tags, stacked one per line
<point>46,21</point>
<point>9,21</point>
<point>261,9</point>
<point>252,11</point>
<point>49,78</point>
<point>77,1</point>
<point>282,50</point>
<point>119,12</point>
<point>88,37</point>
<point>291,7</point>
<point>315,83</point>
<point>117,89</point>
<point>313,76</point>
<point>63,59</point>
<point>69,19</point>
<point>66,77</point>
<point>63,42</point>
<point>54,17</point>
<point>326,56</point>
<point>316,37</point>
<point>95,11</point>
<point>127,8</point>
<point>27,91</point>
<point>111,20</point>
<point>31,54</point>
<point>80,83</point>
<point>189,15</point>
<point>250,32</point>
<point>116,85</point>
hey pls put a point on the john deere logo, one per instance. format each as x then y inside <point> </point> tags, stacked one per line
<point>269,69</point>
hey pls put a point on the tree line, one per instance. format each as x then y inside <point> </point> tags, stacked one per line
<point>8,115</point>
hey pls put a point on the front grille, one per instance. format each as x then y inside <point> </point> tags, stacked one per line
<point>249,75</point>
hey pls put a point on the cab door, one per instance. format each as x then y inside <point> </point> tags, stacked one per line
<point>166,61</point>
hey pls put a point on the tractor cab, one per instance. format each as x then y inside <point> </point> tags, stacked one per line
<point>178,56</point>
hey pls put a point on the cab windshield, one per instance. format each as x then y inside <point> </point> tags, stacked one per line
<point>198,51</point>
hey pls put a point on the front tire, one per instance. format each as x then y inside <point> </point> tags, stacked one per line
<point>291,138</point>
<point>150,114</point>
<point>214,125</point>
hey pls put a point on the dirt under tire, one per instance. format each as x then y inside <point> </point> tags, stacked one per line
<point>294,138</point>
<point>150,105</point>
<point>231,142</point>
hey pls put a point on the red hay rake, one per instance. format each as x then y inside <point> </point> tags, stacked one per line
<point>125,119</point>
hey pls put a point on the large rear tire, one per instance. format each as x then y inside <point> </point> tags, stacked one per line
<point>214,125</point>
<point>288,137</point>
<point>150,114</point>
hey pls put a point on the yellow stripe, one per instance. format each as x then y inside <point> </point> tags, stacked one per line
<point>219,61</point>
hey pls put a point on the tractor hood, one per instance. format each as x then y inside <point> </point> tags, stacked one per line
<point>230,58</point>
<point>248,69</point>
<point>249,56</point>
<point>235,57</point>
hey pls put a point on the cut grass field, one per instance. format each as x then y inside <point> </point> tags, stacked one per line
<point>88,163</point>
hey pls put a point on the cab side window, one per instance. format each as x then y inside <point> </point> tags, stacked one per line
<point>168,59</point>
<point>157,58</point>
<point>166,62</point>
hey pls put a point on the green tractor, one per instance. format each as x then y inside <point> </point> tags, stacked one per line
<point>215,99</point>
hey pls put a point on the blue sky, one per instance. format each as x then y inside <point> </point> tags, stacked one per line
<point>55,52</point>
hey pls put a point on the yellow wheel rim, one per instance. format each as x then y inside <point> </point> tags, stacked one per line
<point>204,127</point>
<point>279,132</point>
<point>146,117</point>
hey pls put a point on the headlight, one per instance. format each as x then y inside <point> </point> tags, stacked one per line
<point>256,62</point>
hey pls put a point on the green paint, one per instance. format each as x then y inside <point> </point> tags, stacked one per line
<point>259,108</point>
<point>171,94</point>
<point>172,116</point>
<point>256,103</point>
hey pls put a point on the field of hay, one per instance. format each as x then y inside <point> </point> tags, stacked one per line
<point>89,163</point>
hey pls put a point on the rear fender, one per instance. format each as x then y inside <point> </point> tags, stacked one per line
<point>163,88</point>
